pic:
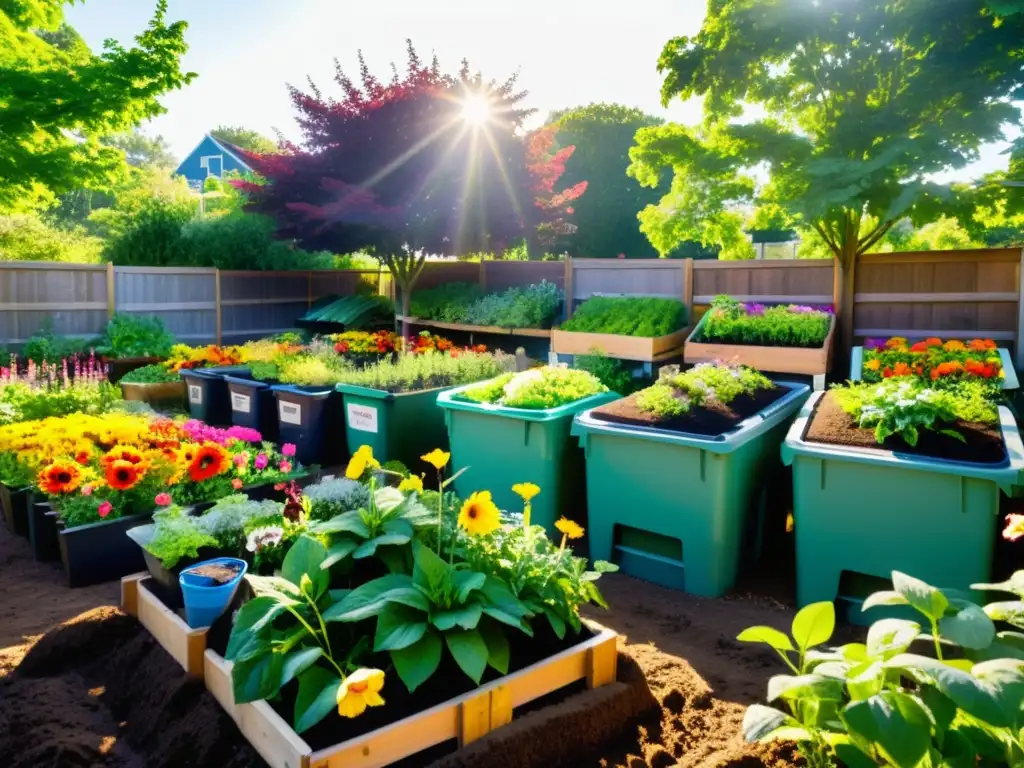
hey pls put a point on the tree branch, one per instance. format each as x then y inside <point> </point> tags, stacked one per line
<point>830,242</point>
<point>874,237</point>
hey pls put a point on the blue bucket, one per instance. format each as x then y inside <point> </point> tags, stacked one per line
<point>206,600</point>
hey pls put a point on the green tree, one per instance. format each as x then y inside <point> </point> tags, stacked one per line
<point>862,101</point>
<point>141,150</point>
<point>247,139</point>
<point>57,99</point>
<point>606,217</point>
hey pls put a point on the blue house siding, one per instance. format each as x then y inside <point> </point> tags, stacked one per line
<point>220,157</point>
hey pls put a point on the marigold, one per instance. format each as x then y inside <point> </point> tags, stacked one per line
<point>933,341</point>
<point>123,475</point>
<point>900,369</point>
<point>950,368</point>
<point>59,477</point>
<point>895,342</point>
<point>981,345</point>
<point>919,347</point>
<point>954,346</point>
<point>360,690</point>
<point>210,460</point>
<point>123,453</point>
<point>479,515</point>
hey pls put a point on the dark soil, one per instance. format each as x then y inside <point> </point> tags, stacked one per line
<point>712,419</point>
<point>830,424</point>
<point>218,573</point>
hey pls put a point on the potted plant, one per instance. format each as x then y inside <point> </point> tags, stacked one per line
<point>156,385</point>
<point>981,358</point>
<point>392,405</point>
<point>782,338</point>
<point>626,328</point>
<point>132,341</point>
<point>516,428</point>
<point>209,587</point>
<point>673,472</point>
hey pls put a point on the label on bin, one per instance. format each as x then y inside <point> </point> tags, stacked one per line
<point>241,403</point>
<point>289,413</point>
<point>362,417</point>
<point>195,394</point>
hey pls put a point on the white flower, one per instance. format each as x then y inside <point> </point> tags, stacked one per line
<point>905,403</point>
<point>880,391</point>
<point>267,536</point>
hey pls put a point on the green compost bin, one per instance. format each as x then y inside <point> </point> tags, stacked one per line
<point>675,508</point>
<point>397,426</point>
<point>502,446</point>
<point>866,512</point>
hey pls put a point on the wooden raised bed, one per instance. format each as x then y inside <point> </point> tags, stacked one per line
<point>543,333</point>
<point>466,718</point>
<point>809,362</point>
<point>641,348</point>
<point>185,645</point>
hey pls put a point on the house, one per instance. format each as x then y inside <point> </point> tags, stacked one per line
<point>212,157</point>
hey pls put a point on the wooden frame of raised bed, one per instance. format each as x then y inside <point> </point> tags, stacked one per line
<point>185,645</point>
<point>808,362</point>
<point>645,349</point>
<point>465,718</point>
<point>541,333</point>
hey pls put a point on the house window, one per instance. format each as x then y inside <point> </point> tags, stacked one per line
<point>214,165</point>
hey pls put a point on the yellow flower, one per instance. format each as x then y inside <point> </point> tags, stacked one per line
<point>525,491</point>
<point>873,365</point>
<point>437,458</point>
<point>411,483</point>
<point>361,459</point>
<point>360,690</point>
<point>569,528</point>
<point>479,515</point>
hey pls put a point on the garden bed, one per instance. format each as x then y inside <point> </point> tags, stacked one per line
<point>644,329</point>
<point>467,328</point>
<point>184,644</point>
<point>775,358</point>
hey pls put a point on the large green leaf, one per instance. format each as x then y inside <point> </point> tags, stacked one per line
<point>305,557</point>
<point>760,722</point>
<point>768,635</point>
<point>865,680</point>
<point>968,693</point>
<point>297,662</point>
<point>498,650</point>
<point>317,697</point>
<point>347,522</point>
<point>499,596</point>
<point>923,597</point>
<point>814,624</point>
<point>888,637</point>
<point>400,527</point>
<point>556,622</point>
<point>899,724</point>
<point>465,616</point>
<point>885,597</point>
<point>280,589</point>
<point>1014,585</point>
<point>247,632</point>
<point>257,678</point>
<point>338,551</point>
<point>469,650</point>
<point>467,582</point>
<point>398,627</point>
<point>429,571</point>
<point>970,627</point>
<point>419,661</point>
<point>368,600</point>
<point>1010,611</point>
<point>797,686</point>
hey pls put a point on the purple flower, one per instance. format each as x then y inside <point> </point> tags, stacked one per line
<point>874,344</point>
<point>262,461</point>
<point>288,449</point>
<point>754,309</point>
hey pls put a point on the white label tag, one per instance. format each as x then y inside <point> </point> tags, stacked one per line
<point>289,413</point>
<point>195,394</point>
<point>241,403</point>
<point>362,417</point>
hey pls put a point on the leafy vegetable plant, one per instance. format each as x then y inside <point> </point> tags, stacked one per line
<point>536,389</point>
<point>790,325</point>
<point>678,393</point>
<point>628,316</point>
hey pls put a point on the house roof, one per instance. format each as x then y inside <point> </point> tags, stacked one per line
<point>237,153</point>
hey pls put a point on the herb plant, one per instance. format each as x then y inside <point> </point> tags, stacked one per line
<point>614,374</point>
<point>532,306</point>
<point>447,302</point>
<point>335,496</point>
<point>135,336</point>
<point>429,370</point>
<point>44,346</point>
<point>177,536</point>
<point>151,374</point>
<point>536,389</point>
<point>789,325</point>
<point>628,316</point>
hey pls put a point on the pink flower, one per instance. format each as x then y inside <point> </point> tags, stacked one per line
<point>104,509</point>
<point>241,459</point>
<point>261,461</point>
<point>237,483</point>
<point>87,490</point>
<point>163,499</point>
<point>288,449</point>
<point>285,466</point>
<point>245,434</point>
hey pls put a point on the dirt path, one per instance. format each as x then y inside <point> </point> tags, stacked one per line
<point>100,692</point>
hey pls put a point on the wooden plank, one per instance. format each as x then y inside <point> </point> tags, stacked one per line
<point>455,326</point>
<point>569,295</point>
<point>943,257</point>
<point>54,306</point>
<point>602,663</point>
<point>175,306</point>
<point>921,333</point>
<point>474,718</point>
<point>537,333</point>
<point>260,302</point>
<point>111,296</point>
<point>763,298</point>
<point>1019,351</point>
<point>50,266</point>
<point>184,644</point>
<point>932,298</point>
<point>787,264</point>
<point>639,348</point>
<point>809,362</point>
<point>688,288</point>
<point>167,270</point>
<point>501,707</point>
<point>670,264</point>
<point>217,301</point>
<point>130,592</point>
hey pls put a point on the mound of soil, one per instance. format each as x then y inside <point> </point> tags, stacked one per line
<point>982,443</point>
<point>712,419</point>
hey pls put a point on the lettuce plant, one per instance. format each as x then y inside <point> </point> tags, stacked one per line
<point>628,316</point>
<point>536,389</point>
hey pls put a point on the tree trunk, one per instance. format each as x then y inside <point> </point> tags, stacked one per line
<point>406,298</point>
<point>848,263</point>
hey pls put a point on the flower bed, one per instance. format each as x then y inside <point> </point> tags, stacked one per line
<point>624,328</point>
<point>945,363</point>
<point>782,338</point>
<point>73,385</point>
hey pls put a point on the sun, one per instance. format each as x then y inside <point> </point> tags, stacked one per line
<point>476,110</point>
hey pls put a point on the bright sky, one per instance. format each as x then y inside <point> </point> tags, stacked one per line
<point>569,52</point>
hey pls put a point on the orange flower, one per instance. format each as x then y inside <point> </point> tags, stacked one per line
<point>954,346</point>
<point>981,345</point>
<point>123,475</point>
<point>873,365</point>
<point>947,369</point>
<point>933,341</point>
<point>901,369</point>
<point>978,368</point>
<point>59,477</point>
<point>123,453</point>
<point>921,346</point>
<point>210,461</point>
<point>896,342</point>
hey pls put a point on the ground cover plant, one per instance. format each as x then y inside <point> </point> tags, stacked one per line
<point>785,325</point>
<point>628,316</point>
<point>459,586</point>
<point>76,385</point>
<point>135,336</point>
<point>944,690</point>
<point>942,364</point>
<point>536,389</point>
<point>429,370</point>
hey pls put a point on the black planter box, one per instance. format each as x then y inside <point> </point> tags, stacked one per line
<point>42,531</point>
<point>313,418</point>
<point>207,393</point>
<point>253,405</point>
<point>99,552</point>
<point>15,503</point>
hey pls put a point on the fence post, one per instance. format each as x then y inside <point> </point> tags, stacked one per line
<point>216,288</point>
<point>1019,341</point>
<point>111,302</point>
<point>837,284</point>
<point>688,288</point>
<point>568,286</point>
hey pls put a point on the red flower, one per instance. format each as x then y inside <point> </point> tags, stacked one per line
<point>210,461</point>
<point>921,346</point>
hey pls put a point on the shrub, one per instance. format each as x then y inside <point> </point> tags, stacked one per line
<point>240,240</point>
<point>151,374</point>
<point>44,346</point>
<point>613,373</point>
<point>135,336</point>
<point>152,238</point>
<point>430,370</point>
<point>333,497</point>
<point>29,238</point>
<point>537,389</point>
<point>626,316</point>
<point>732,322</point>
<point>311,370</point>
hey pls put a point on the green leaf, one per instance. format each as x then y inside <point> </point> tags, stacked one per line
<point>865,680</point>
<point>365,550</point>
<point>252,617</point>
<point>466,582</point>
<point>759,722</point>
<point>399,528</point>
<point>1010,611</point>
<point>297,662</point>
<point>852,757</point>
<point>256,678</point>
<point>814,624</point>
<point>419,661</point>
<point>767,635</point>
<point>280,589</point>
<point>498,650</point>
<point>348,522</point>
<point>338,552</point>
<point>317,697</point>
<point>398,627</point>
<point>603,566</point>
<point>305,557</point>
<point>556,622</point>
<point>899,724</point>
<point>499,596</point>
<point>466,616</point>
<point>392,539</point>
<point>813,686</point>
<point>1014,585</point>
<point>883,597</point>
<point>368,600</point>
<point>923,597</point>
<point>887,637</point>
<point>469,650</point>
<point>429,570</point>
<point>965,691</point>
<point>969,628</point>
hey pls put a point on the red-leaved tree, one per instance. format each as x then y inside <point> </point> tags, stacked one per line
<point>428,163</point>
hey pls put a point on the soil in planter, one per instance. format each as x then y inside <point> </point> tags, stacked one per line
<point>217,572</point>
<point>711,419</point>
<point>830,424</point>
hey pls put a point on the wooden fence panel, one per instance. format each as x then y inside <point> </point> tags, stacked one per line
<point>184,298</point>
<point>637,277</point>
<point>808,281</point>
<point>71,297</point>
<point>348,283</point>
<point>437,273</point>
<point>501,275</point>
<point>953,294</point>
<point>257,304</point>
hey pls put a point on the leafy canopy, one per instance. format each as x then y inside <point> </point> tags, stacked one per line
<point>246,138</point>
<point>57,99</point>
